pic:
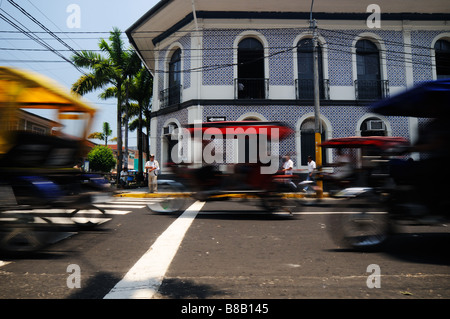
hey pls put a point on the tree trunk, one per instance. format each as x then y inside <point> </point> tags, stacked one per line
<point>119,132</point>
<point>126,128</point>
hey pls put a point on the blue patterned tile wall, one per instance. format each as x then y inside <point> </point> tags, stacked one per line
<point>218,55</point>
<point>218,70</point>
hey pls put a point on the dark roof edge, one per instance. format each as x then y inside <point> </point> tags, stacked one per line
<point>284,15</point>
<point>318,15</point>
<point>296,15</point>
<point>148,14</point>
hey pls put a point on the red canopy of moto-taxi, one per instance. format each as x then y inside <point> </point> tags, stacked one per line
<point>235,128</point>
<point>382,142</point>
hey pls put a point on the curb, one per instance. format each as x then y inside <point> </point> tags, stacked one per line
<point>189,194</point>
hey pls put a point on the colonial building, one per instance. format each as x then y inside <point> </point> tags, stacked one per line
<point>253,59</point>
<point>34,123</point>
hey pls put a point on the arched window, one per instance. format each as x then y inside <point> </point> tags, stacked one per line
<point>442,56</point>
<point>368,84</point>
<point>308,141</point>
<point>251,83</point>
<point>175,77</point>
<point>305,62</point>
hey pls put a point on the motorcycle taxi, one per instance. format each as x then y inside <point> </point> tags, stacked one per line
<point>42,186</point>
<point>407,181</point>
<point>228,160</point>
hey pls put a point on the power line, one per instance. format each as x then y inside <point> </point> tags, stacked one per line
<point>218,32</point>
<point>334,44</point>
<point>22,29</point>
<point>32,18</point>
<point>401,59</point>
<point>50,21</point>
<point>36,39</point>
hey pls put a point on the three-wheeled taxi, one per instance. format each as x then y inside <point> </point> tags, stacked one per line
<point>411,190</point>
<point>229,159</point>
<point>361,220</point>
<point>41,181</point>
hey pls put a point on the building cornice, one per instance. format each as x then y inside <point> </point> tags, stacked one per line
<point>262,103</point>
<point>245,15</point>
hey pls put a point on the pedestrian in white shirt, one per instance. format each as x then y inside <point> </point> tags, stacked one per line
<point>311,169</point>
<point>288,165</point>
<point>152,167</point>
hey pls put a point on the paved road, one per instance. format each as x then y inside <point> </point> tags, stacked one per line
<point>227,250</point>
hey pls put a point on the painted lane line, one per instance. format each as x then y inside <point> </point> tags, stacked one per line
<point>145,277</point>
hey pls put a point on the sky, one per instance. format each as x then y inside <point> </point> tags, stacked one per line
<point>78,23</point>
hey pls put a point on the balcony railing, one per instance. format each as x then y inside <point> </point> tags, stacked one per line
<point>304,89</point>
<point>371,89</point>
<point>170,96</point>
<point>245,88</point>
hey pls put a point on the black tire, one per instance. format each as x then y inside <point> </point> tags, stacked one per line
<point>172,199</point>
<point>361,231</point>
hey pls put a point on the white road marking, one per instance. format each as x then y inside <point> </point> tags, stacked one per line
<point>117,212</point>
<point>145,277</point>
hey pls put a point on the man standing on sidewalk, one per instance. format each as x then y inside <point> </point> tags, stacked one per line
<point>152,167</point>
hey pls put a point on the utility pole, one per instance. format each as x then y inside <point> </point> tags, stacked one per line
<point>317,122</point>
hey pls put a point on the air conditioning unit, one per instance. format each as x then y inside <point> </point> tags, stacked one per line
<point>169,129</point>
<point>375,125</point>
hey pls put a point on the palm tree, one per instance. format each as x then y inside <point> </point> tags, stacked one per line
<point>114,69</point>
<point>102,135</point>
<point>141,91</point>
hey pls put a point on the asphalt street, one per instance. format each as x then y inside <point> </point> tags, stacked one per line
<point>228,250</point>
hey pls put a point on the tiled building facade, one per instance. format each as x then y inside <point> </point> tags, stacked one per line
<point>202,65</point>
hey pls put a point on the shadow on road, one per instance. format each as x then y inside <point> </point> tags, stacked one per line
<point>96,287</point>
<point>174,288</point>
<point>244,215</point>
<point>424,248</point>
